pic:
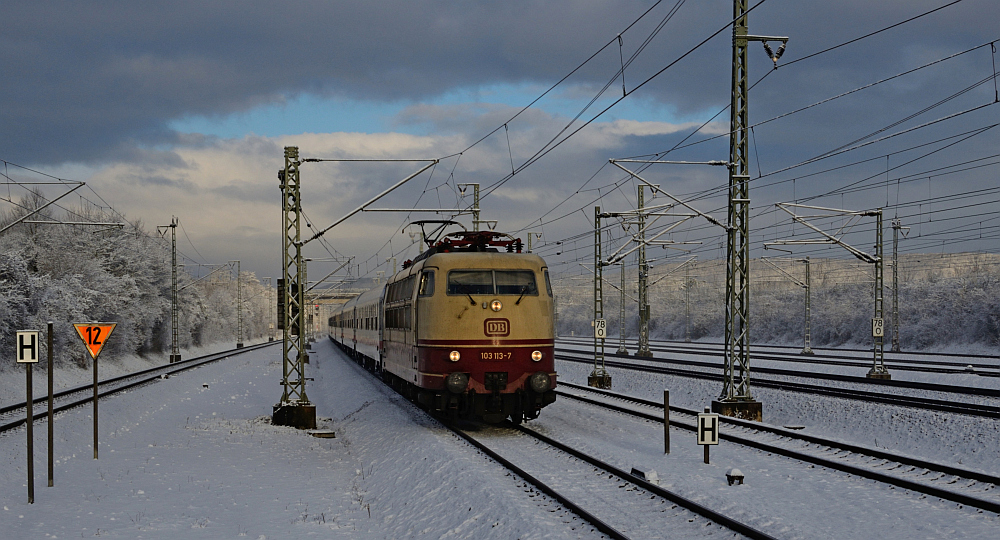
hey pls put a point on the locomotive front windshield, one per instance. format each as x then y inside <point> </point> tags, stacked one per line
<point>492,282</point>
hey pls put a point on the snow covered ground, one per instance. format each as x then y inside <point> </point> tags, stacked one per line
<point>194,456</point>
<point>181,460</point>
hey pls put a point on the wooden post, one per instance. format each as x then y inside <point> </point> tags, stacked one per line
<point>95,407</point>
<point>666,421</point>
<point>31,437</point>
<point>706,445</point>
<point>51,450</point>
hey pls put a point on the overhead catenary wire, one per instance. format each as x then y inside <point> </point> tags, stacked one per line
<point>541,221</point>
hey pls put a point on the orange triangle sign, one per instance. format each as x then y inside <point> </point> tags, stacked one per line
<point>94,335</point>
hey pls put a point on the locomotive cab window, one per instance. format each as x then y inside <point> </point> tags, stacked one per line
<point>426,283</point>
<point>548,282</point>
<point>470,282</point>
<point>520,282</point>
<point>512,282</point>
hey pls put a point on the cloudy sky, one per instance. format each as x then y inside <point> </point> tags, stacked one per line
<point>183,108</point>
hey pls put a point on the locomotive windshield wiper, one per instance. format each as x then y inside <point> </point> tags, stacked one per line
<point>524,291</point>
<point>465,289</point>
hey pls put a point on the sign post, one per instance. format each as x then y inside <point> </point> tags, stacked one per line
<point>94,336</point>
<point>27,354</point>
<point>708,430</point>
<point>666,421</point>
<point>51,450</point>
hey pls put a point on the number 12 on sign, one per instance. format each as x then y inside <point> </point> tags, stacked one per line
<point>94,336</point>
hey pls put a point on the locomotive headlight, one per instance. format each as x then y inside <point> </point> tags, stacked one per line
<point>456,382</point>
<point>539,382</point>
<point>496,305</point>
<point>454,356</point>
<point>536,356</point>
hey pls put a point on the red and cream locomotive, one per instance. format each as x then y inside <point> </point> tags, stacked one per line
<point>466,328</point>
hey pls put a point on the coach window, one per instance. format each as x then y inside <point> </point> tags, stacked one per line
<point>408,285</point>
<point>470,282</point>
<point>548,282</point>
<point>520,282</point>
<point>426,283</point>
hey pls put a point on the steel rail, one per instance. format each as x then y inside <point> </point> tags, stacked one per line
<point>666,344</point>
<point>169,369</point>
<point>573,507</point>
<point>862,395</point>
<point>593,520</point>
<point>541,486</point>
<point>688,504</point>
<point>851,363</point>
<point>793,434</point>
<point>816,460</point>
<point>970,409</point>
<point>926,366</point>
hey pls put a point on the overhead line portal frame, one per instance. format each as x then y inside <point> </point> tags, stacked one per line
<point>295,409</point>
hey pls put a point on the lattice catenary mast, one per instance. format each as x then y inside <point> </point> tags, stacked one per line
<point>736,398</point>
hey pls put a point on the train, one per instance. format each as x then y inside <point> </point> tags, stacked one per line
<point>466,329</point>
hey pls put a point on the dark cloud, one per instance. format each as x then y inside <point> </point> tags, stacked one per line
<point>82,80</point>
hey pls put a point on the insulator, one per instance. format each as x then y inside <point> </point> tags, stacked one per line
<point>781,51</point>
<point>767,49</point>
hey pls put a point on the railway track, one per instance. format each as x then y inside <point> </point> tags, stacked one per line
<point>599,524</point>
<point>620,485</point>
<point>15,415</point>
<point>978,366</point>
<point>975,489</point>
<point>951,406</point>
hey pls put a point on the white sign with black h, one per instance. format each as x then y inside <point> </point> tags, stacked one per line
<point>27,346</point>
<point>708,428</point>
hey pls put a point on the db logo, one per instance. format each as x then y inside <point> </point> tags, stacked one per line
<point>497,327</point>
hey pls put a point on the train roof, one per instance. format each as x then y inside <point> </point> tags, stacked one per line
<point>371,295</point>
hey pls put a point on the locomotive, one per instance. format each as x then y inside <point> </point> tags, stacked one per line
<point>465,329</point>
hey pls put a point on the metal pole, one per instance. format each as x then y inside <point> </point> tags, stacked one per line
<point>307,312</point>
<point>50,420</point>
<point>175,353</point>
<point>239,308</point>
<point>643,280</point>
<point>95,408</point>
<point>687,304</point>
<point>599,377</point>
<point>239,302</point>
<point>31,436</point>
<point>878,370</point>
<point>621,315</point>
<point>895,285</point>
<point>270,317</point>
<point>706,445</point>
<point>294,408</point>
<point>475,209</point>
<point>736,398</point>
<point>807,325</point>
<point>666,421</point>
